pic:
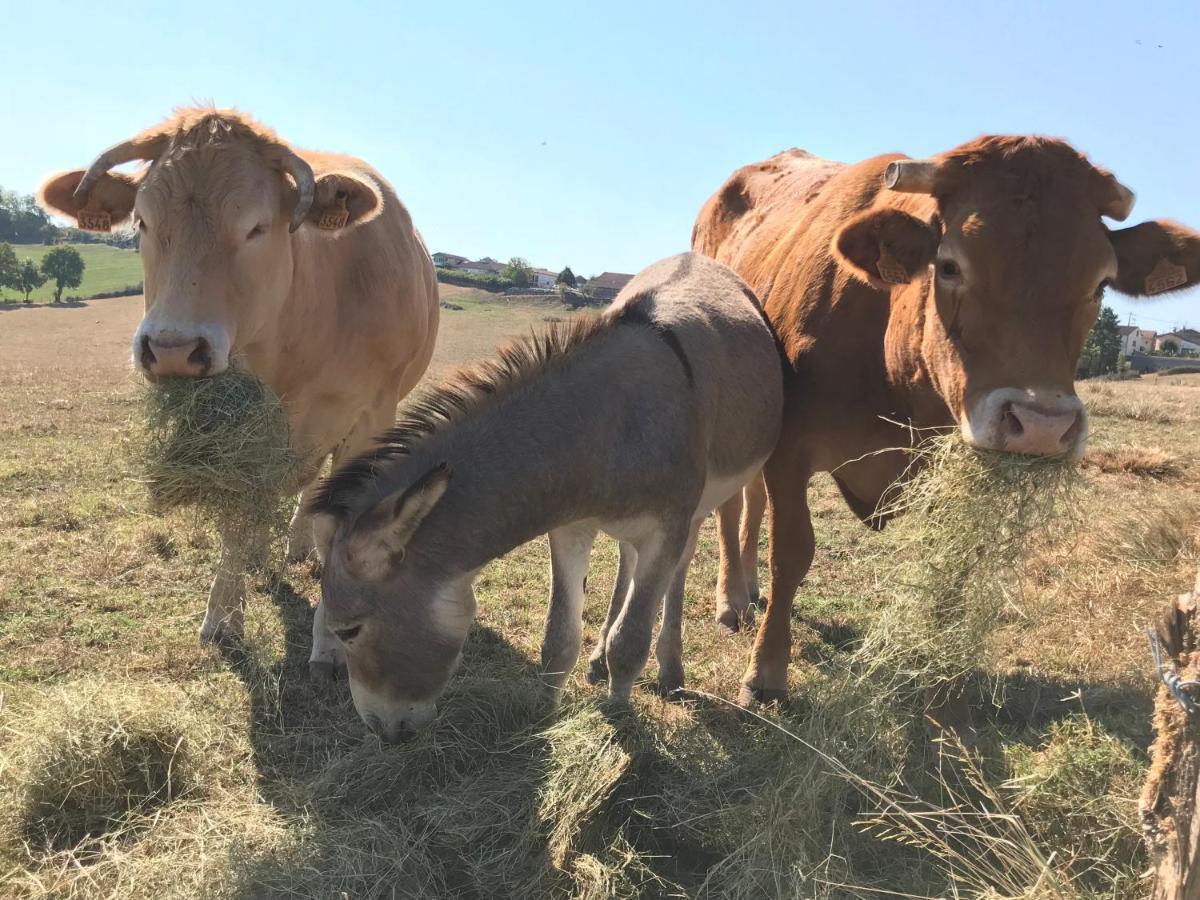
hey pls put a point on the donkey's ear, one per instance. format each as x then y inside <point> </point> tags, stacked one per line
<point>379,537</point>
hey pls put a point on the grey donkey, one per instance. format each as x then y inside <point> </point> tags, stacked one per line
<point>637,422</point>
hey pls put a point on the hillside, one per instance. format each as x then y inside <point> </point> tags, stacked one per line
<point>106,269</point>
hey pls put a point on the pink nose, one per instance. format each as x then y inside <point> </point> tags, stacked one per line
<point>1039,432</point>
<point>189,359</point>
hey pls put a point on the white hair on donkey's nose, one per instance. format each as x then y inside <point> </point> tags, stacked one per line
<point>1035,422</point>
<point>393,720</point>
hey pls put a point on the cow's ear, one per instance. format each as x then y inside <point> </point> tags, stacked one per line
<point>343,200</point>
<point>886,247</point>
<point>1155,257</point>
<point>109,202</point>
<point>379,537</point>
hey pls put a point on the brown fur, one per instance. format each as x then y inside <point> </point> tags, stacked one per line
<point>872,359</point>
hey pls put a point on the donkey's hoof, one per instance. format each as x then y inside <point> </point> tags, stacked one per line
<point>597,671</point>
<point>324,671</point>
<point>670,683</point>
<point>755,696</point>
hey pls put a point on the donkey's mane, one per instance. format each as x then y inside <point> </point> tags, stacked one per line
<point>467,389</point>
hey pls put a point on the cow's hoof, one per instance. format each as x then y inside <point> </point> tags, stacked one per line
<point>597,671</point>
<point>298,553</point>
<point>324,671</point>
<point>221,633</point>
<point>750,696</point>
<point>729,622</point>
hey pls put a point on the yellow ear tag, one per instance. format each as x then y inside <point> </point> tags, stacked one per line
<point>94,219</point>
<point>890,270</point>
<point>333,219</point>
<point>1164,276</point>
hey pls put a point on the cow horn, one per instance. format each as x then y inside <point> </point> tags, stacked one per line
<point>302,174</point>
<point>910,176</point>
<point>1119,204</point>
<point>127,151</point>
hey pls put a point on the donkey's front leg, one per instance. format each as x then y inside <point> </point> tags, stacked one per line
<point>570,549</point>
<point>628,644</point>
<point>669,648</point>
<point>224,620</point>
<point>597,670</point>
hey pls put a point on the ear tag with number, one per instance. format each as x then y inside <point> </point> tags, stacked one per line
<point>890,270</point>
<point>1164,276</point>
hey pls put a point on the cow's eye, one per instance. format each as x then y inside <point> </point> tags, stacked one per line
<point>142,226</point>
<point>948,268</point>
<point>256,231</point>
<point>348,634</point>
<point>1100,289</point>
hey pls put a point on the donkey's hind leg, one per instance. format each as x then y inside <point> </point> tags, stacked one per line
<point>628,644</point>
<point>570,550</point>
<point>597,670</point>
<point>669,649</point>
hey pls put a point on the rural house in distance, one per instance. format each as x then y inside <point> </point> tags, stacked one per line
<point>1136,340</point>
<point>448,260</point>
<point>607,285</point>
<point>1185,341</point>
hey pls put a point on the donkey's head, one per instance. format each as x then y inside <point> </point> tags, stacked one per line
<point>401,618</point>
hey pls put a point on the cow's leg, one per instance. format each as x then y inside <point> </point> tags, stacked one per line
<point>791,551</point>
<point>628,644</point>
<point>669,649</point>
<point>597,670</point>
<point>327,659</point>
<point>225,618</point>
<point>301,542</point>
<point>755,498</point>
<point>570,550</point>
<point>733,600</point>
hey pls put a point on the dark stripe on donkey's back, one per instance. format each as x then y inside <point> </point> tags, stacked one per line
<point>634,313</point>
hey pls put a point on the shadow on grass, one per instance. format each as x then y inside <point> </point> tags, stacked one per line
<point>452,813</point>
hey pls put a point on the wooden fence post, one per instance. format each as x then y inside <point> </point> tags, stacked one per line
<point>1171,797</point>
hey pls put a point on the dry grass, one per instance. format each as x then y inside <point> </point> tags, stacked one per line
<point>1145,462</point>
<point>276,789</point>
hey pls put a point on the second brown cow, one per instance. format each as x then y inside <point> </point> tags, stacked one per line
<point>955,291</point>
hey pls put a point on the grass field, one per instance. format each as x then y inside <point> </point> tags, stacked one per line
<point>105,269</point>
<point>274,788</point>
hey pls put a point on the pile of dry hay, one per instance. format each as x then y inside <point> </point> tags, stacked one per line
<point>837,794</point>
<point>220,445</point>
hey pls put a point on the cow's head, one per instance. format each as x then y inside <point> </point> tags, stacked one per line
<point>1007,273</point>
<point>217,207</point>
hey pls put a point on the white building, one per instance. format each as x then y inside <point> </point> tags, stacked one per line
<point>1136,340</point>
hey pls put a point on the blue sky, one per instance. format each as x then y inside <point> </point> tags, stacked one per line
<point>590,134</point>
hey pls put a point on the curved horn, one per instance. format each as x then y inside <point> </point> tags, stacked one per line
<point>127,151</point>
<point>1119,203</point>
<point>911,176</point>
<point>302,174</point>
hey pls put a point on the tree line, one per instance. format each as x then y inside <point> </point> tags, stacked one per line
<point>63,265</point>
<point>22,221</point>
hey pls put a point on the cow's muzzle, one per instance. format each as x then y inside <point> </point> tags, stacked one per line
<point>1031,422</point>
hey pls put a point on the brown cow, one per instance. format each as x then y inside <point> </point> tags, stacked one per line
<point>954,291</point>
<point>303,268</point>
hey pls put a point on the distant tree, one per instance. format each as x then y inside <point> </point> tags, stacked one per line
<point>566,277</point>
<point>1102,350</point>
<point>29,278</point>
<point>22,221</point>
<point>1170,348</point>
<point>518,271</point>
<point>9,267</point>
<point>65,266</point>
